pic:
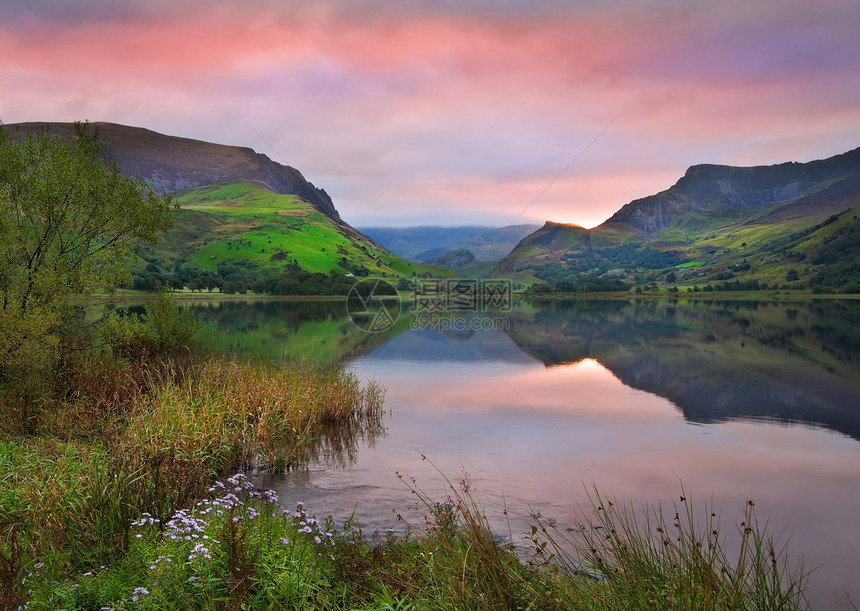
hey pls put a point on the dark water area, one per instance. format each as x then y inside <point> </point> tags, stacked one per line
<point>729,400</point>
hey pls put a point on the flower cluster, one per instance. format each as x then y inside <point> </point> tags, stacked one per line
<point>185,527</point>
<point>229,501</point>
<point>190,534</point>
<point>137,593</point>
<point>308,524</point>
<point>146,519</point>
<point>158,560</point>
<point>200,550</point>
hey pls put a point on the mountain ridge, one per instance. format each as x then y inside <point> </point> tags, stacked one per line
<point>173,164</point>
<point>725,189</point>
<point>786,225</point>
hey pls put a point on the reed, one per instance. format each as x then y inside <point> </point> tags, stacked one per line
<point>677,558</point>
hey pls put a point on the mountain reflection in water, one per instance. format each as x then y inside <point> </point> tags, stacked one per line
<point>796,362</point>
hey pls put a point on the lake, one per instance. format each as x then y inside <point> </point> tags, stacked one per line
<point>725,400</point>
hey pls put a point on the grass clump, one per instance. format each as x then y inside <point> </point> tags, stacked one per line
<point>656,559</point>
<point>115,437</point>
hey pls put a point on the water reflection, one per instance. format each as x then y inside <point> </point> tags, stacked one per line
<point>533,436</point>
<point>315,331</point>
<point>715,360</point>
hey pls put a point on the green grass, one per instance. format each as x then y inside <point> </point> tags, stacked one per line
<point>243,223</point>
<point>237,548</point>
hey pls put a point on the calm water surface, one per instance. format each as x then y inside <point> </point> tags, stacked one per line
<point>731,400</point>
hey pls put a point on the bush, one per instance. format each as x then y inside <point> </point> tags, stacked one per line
<point>164,328</point>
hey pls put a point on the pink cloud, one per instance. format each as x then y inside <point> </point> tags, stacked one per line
<point>393,108</point>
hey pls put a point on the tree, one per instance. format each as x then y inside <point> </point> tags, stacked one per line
<point>68,223</point>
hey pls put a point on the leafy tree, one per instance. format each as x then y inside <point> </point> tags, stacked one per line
<point>539,288</point>
<point>68,223</point>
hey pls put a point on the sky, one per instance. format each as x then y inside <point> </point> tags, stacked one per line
<point>454,112</point>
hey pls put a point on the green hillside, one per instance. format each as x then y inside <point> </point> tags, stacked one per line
<point>718,228</point>
<point>245,222</point>
<point>241,237</point>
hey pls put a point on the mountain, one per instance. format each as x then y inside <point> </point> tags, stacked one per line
<point>421,244</point>
<point>172,164</point>
<point>245,222</point>
<point>791,224</point>
<point>453,259</point>
<point>709,193</point>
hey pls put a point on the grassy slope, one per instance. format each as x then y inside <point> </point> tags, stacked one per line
<point>784,238</point>
<point>739,223</point>
<point>554,240</point>
<point>241,222</point>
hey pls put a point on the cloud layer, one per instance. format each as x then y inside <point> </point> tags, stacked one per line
<point>454,112</point>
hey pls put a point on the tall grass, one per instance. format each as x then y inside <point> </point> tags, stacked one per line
<point>458,562</point>
<point>655,558</point>
<point>113,439</point>
<point>615,557</point>
<point>221,415</point>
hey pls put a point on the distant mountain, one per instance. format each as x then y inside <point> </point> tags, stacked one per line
<point>791,225</point>
<point>453,259</point>
<point>423,243</point>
